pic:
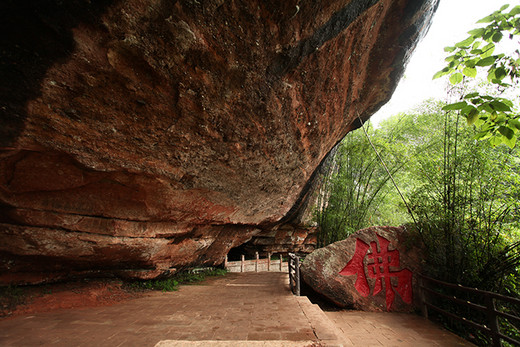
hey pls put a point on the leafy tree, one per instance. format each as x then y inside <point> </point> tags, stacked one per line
<point>465,194</point>
<point>355,192</point>
<point>352,187</point>
<point>495,116</point>
<point>465,197</point>
<point>463,210</point>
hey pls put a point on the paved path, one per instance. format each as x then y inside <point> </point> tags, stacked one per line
<point>357,328</point>
<point>244,309</point>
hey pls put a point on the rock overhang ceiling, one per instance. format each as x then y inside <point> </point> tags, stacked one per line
<point>142,136</point>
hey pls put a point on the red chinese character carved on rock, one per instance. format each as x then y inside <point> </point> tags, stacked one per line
<point>379,263</point>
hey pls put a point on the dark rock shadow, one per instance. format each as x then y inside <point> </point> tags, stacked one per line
<point>36,34</point>
<point>316,298</point>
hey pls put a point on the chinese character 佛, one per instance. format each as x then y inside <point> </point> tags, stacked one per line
<point>379,263</point>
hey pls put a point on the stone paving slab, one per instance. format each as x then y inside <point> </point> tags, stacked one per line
<point>172,343</point>
<point>323,327</point>
<point>240,309</point>
<point>357,328</point>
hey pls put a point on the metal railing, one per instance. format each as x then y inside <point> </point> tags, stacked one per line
<point>491,329</point>
<point>294,273</point>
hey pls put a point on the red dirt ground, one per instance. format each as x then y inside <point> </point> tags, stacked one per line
<point>50,297</point>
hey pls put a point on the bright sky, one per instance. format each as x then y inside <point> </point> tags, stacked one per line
<point>452,21</point>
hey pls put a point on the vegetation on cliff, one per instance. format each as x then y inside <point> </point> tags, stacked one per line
<point>461,195</point>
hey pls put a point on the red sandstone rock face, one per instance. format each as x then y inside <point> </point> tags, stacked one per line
<point>140,136</point>
<point>342,271</point>
<point>287,238</point>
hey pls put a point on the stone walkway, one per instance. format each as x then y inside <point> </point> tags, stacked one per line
<point>357,328</point>
<point>240,309</point>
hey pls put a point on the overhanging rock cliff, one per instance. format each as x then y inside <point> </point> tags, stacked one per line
<point>140,136</point>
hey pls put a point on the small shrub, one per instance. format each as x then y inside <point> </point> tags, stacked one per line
<point>172,283</point>
<point>10,297</point>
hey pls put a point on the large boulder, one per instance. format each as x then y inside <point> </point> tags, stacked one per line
<point>144,135</point>
<point>372,270</point>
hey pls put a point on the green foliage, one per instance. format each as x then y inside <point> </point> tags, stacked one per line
<point>466,200</point>
<point>495,117</point>
<point>353,185</point>
<point>464,210</point>
<point>172,283</point>
<point>10,297</point>
<point>464,194</point>
<point>356,190</point>
<point>166,285</point>
<point>194,277</point>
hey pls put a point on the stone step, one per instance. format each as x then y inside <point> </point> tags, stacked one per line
<point>324,328</point>
<point>233,343</point>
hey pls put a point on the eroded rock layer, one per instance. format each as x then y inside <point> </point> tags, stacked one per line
<point>286,238</point>
<point>140,136</point>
